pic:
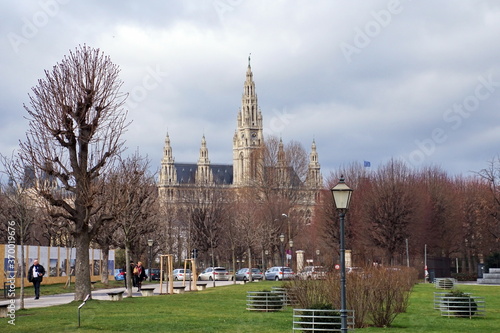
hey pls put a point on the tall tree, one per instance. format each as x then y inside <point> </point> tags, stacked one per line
<point>132,196</point>
<point>390,207</point>
<point>75,124</point>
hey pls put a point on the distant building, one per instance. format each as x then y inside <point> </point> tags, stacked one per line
<point>177,178</point>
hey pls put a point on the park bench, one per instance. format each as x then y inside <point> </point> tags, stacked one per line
<point>179,289</point>
<point>147,291</point>
<point>116,295</point>
<point>4,310</point>
<point>201,286</point>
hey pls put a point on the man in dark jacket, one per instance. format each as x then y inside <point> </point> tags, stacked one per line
<point>35,276</point>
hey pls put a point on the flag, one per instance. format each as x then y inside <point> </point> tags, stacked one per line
<point>367,164</point>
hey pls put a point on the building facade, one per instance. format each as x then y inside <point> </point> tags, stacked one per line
<point>248,165</point>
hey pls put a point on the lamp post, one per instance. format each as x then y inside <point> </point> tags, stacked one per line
<point>266,252</point>
<point>150,244</point>
<point>290,242</point>
<point>342,196</point>
<point>317,258</point>
<point>282,240</point>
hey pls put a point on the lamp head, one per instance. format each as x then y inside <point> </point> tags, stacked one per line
<point>342,195</point>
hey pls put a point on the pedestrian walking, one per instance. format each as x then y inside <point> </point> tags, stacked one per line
<point>35,276</point>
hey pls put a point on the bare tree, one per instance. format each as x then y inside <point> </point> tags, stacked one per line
<point>208,210</point>
<point>491,175</point>
<point>21,208</point>
<point>390,207</point>
<point>132,193</point>
<point>75,123</point>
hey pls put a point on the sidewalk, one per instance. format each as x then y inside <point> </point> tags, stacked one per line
<point>100,294</point>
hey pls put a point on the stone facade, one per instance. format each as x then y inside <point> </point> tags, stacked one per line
<point>248,139</point>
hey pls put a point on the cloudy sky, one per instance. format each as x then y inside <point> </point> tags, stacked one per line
<point>367,80</point>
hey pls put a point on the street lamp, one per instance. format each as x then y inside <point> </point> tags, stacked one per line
<point>282,240</point>
<point>317,257</point>
<point>342,196</point>
<point>266,252</point>
<point>290,242</point>
<point>150,244</point>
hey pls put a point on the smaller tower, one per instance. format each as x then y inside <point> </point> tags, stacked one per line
<point>168,174</point>
<point>203,172</point>
<point>314,179</point>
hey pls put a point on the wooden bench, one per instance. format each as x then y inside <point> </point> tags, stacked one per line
<point>147,291</point>
<point>179,289</point>
<point>4,310</point>
<point>116,296</point>
<point>201,286</point>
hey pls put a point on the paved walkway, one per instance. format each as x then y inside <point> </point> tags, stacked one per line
<point>100,294</point>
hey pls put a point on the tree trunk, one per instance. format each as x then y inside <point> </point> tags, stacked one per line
<point>129,275</point>
<point>82,268</point>
<point>23,269</point>
<point>250,279</point>
<point>105,270</point>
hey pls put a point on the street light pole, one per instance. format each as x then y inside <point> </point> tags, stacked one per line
<point>150,245</point>
<point>282,240</point>
<point>291,253</point>
<point>342,196</point>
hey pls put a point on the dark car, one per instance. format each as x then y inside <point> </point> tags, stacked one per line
<point>244,273</point>
<point>155,274</point>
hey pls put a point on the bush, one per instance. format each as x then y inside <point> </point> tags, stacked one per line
<point>376,294</point>
<point>459,304</point>
<point>264,300</point>
<point>464,276</point>
<point>327,317</point>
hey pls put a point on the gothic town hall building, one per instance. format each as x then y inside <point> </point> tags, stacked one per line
<point>248,138</point>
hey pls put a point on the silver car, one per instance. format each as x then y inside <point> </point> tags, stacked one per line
<point>244,273</point>
<point>214,273</point>
<point>279,273</point>
<point>180,274</point>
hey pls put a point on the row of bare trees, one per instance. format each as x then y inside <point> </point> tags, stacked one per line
<point>72,159</point>
<point>455,216</point>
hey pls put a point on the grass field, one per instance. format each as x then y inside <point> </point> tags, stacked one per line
<point>222,309</point>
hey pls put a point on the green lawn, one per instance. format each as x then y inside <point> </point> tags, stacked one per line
<point>222,309</point>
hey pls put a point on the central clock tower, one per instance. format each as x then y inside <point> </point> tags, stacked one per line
<point>248,137</point>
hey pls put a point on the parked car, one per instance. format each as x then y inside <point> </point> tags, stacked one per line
<point>155,274</point>
<point>214,273</point>
<point>180,275</point>
<point>244,273</point>
<point>119,274</point>
<point>278,273</point>
<point>312,273</point>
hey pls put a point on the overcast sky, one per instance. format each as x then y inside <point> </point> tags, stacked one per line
<point>367,80</point>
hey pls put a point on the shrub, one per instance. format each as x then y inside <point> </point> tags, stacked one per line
<point>328,318</point>
<point>264,300</point>
<point>375,294</point>
<point>464,276</point>
<point>459,304</point>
